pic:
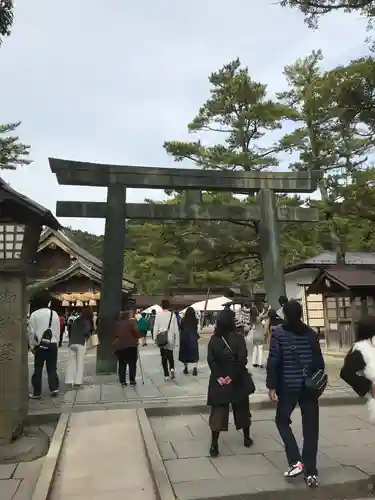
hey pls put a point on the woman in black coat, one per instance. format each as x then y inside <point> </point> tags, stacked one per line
<point>189,350</point>
<point>230,381</point>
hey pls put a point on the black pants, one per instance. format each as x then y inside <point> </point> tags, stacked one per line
<point>49,357</point>
<point>167,360</point>
<point>309,406</point>
<point>219,416</point>
<point>127,357</point>
<point>61,336</point>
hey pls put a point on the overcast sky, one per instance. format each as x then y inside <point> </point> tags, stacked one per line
<point>110,81</point>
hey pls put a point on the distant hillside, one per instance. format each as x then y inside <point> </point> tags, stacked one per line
<point>90,242</point>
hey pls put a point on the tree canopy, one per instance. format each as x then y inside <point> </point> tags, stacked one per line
<point>321,120</point>
<point>6,18</point>
<point>313,9</point>
<point>13,153</point>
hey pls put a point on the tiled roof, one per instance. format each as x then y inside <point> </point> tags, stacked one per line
<point>77,267</point>
<point>347,278</point>
<point>21,200</point>
<point>82,254</point>
<point>326,259</point>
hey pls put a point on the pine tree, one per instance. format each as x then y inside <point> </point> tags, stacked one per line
<point>13,153</point>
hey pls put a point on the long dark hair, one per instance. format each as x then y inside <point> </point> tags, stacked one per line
<point>225,323</point>
<point>190,319</point>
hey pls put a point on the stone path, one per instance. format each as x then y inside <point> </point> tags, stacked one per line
<point>103,458</point>
<point>105,390</point>
<point>17,481</point>
<point>107,453</point>
<point>347,453</point>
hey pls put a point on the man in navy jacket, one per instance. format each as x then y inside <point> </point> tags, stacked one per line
<point>294,354</point>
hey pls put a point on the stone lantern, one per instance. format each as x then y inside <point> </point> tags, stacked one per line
<point>21,222</point>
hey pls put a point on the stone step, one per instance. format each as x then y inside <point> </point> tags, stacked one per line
<point>103,457</point>
<point>336,484</point>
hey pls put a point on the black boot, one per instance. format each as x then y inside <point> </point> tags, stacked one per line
<point>214,449</point>
<point>247,441</point>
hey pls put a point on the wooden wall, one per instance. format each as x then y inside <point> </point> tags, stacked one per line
<point>50,261</point>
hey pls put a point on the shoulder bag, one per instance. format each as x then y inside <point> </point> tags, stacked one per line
<point>161,339</point>
<point>46,339</point>
<point>249,378</point>
<point>317,381</point>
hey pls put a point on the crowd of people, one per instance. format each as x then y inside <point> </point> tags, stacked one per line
<point>166,328</point>
<point>295,371</point>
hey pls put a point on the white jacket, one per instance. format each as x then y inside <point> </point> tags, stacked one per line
<point>38,324</point>
<point>161,325</point>
<point>367,349</point>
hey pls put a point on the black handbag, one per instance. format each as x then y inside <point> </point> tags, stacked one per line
<point>317,381</point>
<point>249,379</point>
<point>46,339</point>
<point>161,339</point>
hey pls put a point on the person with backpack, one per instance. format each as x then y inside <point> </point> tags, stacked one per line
<point>295,375</point>
<point>44,336</point>
<point>166,330</point>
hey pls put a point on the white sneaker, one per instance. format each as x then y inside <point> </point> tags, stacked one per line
<point>166,378</point>
<point>294,470</point>
<point>312,481</point>
<point>173,374</point>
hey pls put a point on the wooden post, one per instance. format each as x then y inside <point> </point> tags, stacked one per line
<point>113,268</point>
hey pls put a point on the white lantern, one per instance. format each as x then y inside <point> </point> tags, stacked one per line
<point>11,241</point>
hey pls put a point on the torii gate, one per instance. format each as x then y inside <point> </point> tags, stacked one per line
<point>115,211</point>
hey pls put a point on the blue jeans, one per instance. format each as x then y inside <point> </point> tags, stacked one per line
<point>309,407</point>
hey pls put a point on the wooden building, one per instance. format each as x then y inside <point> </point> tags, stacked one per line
<point>72,275</point>
<point>348,293</point>
<point>299,277</point>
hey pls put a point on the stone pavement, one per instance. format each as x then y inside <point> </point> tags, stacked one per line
<point>105,390</point>
<point>17,481</point>
<point>103,458</point>
<point>347,453</point>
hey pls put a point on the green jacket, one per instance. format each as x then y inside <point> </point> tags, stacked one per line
<point>143,324</point>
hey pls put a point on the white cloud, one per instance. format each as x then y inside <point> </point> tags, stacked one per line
<point>111,81</point>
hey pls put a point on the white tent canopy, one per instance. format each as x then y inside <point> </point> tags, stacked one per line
<point>149,309</point>
<point>212,305</point>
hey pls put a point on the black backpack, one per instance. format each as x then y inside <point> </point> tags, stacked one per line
<point>45,341</point>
